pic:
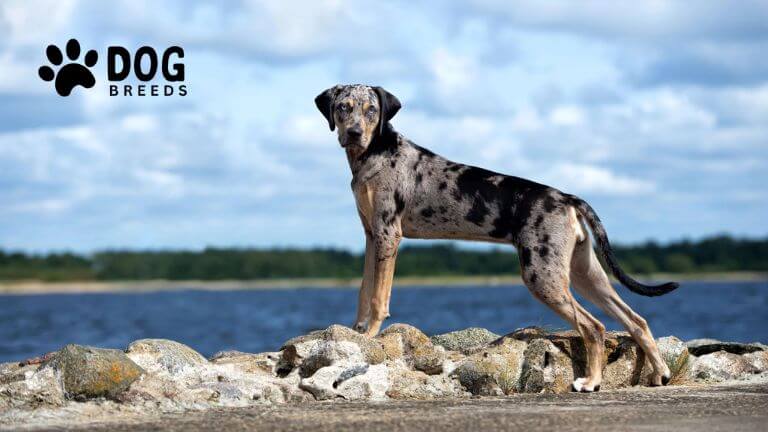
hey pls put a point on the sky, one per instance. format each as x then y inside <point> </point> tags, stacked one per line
<point>656,112</point>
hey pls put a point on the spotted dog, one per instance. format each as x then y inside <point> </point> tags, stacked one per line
<point>404,190</point>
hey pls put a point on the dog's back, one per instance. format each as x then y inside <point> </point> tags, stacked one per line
<point>448,200</point>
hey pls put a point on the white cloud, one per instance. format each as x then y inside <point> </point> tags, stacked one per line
<point>567,116</point>
<point>589,179</point>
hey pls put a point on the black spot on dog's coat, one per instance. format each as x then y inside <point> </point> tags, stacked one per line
<point>382,144</point>
<point>543,251</point>
<point>525,256</point>
<point>442,185</point>
<point>477,213</point>
<point>549,204</point>
<point>399,202</point>
<point>428,212</point>
<point>418,178</point>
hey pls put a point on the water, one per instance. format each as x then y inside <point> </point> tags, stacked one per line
<point>255,321</point>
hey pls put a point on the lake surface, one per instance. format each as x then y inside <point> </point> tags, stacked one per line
<point>255,321</point>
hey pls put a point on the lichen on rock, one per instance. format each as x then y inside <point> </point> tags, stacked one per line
<point>88,372</point>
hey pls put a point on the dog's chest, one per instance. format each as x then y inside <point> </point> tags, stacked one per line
<point>364,199</point>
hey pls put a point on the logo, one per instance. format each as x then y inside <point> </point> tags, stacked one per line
<point>72,74</point>
<point>145,66</point>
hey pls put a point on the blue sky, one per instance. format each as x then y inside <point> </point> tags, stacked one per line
<point>656,112</point>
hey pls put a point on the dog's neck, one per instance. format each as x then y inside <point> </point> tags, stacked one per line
<point>362,162</point>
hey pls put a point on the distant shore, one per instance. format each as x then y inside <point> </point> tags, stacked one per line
<point>78,287</point>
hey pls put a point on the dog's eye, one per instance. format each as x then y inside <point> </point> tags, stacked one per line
<point>343,107</point>
<point>371,110</point>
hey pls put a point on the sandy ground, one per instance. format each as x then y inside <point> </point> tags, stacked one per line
<point>734,407</point>
<point>39,287</point>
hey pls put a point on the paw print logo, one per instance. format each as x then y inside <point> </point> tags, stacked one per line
<point>72,74</point>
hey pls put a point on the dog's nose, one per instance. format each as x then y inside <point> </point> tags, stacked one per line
<point>355,132</point>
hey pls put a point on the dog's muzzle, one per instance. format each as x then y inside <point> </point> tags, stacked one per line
<point>354,135</point>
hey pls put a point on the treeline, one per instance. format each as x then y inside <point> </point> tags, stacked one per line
<point>715,254</point>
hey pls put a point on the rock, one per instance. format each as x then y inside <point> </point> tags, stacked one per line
<point>675,353</point>
<point>393,346</point>
<point>418,350</point>
<point>227,354</point>
<point>466,341</point>
<point>493,371</point>
<point>758,359</point>
<point>88,372</point>
<point>30,387</point>
<point>348,382</point>
<point>721,366</point>
<point>164,356</point>
<point>408,385</point>
<point>248,363</point>
<point>624,366</point>
<point>327,353</point>
<point>546,369</point>
<point>700,347</point>
<point>411,336</point>
<point>568,343</point>
<point>295,350</point>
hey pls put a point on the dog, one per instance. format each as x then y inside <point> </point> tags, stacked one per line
<point>404,190</point>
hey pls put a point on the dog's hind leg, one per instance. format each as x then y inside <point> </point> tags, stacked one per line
<point>548,282</point>
<point>590,280</point>
<point>366,286</point>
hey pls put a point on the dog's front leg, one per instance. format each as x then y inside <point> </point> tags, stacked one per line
<point>366,286</point>
<point>385,249</point>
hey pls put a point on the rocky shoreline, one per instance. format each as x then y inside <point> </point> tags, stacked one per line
<point>78,384</point>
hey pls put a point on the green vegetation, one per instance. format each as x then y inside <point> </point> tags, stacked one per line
<point>715,254</point>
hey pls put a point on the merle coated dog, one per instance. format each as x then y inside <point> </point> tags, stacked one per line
<point>403,190</point>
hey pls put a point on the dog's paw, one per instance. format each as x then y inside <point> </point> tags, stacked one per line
<point>583,385</point>
<point>360,327</point>
<point>658,380</point>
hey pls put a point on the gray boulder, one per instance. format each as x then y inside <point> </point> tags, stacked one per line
<point>164,356</point>
<point>297,349</point>
<point>722,366</point>
<point>88,372</point>
<point>466,341</point>
<point>546,368</point>
<point>495,370</point>
<point>418,350</point>
<point>758,359</point>
<point>406,384</point>
<point>248,363</point>
<point>350,382</point>
<point>29,387</point>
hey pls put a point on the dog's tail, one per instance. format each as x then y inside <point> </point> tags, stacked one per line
<point>610,259</point>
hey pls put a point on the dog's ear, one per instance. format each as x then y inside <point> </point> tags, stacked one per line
<point>389,105</point>
<point>324,102</point>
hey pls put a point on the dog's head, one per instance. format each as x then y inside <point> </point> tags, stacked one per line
<point>360,112</point>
